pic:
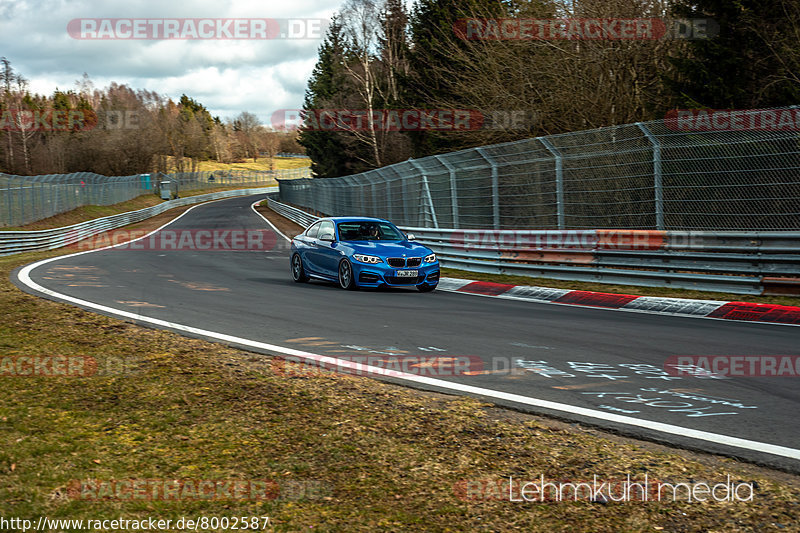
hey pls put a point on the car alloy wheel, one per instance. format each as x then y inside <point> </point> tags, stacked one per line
<point>346,275</point>
<point>298,273</point>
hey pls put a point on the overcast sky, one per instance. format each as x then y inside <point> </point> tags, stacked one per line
<point>227,76</point>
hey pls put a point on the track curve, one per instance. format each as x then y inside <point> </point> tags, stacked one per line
<point>590,365</point>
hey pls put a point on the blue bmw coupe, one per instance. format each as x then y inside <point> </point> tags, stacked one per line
<point>362,252</point>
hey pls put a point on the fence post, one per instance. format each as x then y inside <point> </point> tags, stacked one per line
<point>404,185</point>
<point>317,195</point>
<point>388,195</point>
<point>559,181</point>
<point>350,200</point>
<point>22,203</point>
<point>426,192</point>
<point>33,200</point>
<point>373,187</point>
<point>658,185</point>
<point>495,188</point>
<point>43,200</point>
<point>10,185</point>
<point>308,192</point>
<point>453,188</point>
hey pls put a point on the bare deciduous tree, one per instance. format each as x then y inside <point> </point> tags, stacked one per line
<point>360,22</point>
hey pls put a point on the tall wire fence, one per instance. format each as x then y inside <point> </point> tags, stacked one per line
<point>26,199</point>
<point>668,174</point>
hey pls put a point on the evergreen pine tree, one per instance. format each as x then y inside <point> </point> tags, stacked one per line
<point>326,151</point>
<point>740,68</point>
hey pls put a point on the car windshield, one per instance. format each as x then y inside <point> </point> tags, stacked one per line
<point>365,230</point>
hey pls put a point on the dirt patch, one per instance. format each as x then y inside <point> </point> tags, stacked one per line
<point>286,226</point>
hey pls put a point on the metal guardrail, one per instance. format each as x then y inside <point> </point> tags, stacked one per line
<point>14,242</point>
<point>292,213</point>
<point>735,262</point>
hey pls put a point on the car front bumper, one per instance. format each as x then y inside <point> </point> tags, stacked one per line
<point>368,275</point>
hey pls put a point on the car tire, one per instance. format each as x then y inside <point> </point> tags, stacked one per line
<point>346,280</point>
<point>298,272</point>
<point>426,288</point>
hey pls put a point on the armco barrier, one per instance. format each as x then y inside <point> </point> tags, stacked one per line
<point>13,242</point>
<point>734,262</point>
<point>292,213</point>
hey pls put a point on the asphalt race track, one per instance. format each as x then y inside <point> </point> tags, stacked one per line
<point>595,366</point>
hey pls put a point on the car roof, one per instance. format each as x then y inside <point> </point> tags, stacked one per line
<point>356,219</point>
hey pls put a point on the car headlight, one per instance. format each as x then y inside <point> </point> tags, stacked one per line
<point>369,259</point>
<point>430,258</point>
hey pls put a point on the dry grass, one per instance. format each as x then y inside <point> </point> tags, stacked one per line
<point>263,163</point>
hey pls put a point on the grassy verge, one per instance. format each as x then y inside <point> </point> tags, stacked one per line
<point>90,212</point>
<point>262,163</point>
<point>349,453</point>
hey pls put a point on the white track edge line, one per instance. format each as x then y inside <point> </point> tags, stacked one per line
<point>736,442</point>
<point>279,232</point>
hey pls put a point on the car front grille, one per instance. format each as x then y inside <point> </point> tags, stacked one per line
<point>402,262</point>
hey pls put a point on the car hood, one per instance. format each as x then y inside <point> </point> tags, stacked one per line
<point>389,248</point>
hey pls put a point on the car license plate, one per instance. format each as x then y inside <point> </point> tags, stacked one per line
<point>407,273</point>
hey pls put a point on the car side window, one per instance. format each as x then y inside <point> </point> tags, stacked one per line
<point>326,230</point>
<point>312,231</point>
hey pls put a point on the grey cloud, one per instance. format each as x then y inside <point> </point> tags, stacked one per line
<point>36,41</point>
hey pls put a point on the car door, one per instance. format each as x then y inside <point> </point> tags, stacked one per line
<point>308,248</point>
<point>327,252</point>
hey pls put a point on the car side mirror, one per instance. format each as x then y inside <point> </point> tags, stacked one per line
<point>411,237</point>
<point>327,237</point>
